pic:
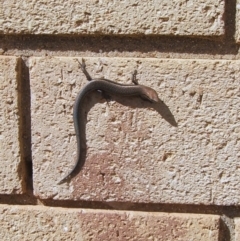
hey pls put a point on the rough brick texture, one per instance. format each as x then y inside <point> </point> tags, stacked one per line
<point>40,223</point>
<point>201,18</point>
<point>11,171</point>
<point>183,150</point>
<point>167,170</point>
<point>238,21</point>
<point>237,229</point>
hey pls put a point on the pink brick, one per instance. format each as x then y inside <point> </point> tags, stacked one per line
<point>40,223</point>
<point>135,151</point>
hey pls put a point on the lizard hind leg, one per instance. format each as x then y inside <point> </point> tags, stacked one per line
<point>84,70</point>
<point>134,77</point>
<point>82,65</point>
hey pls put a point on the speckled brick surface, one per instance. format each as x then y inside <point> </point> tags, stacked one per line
<point>43,223</point>
<point>237,34</point>
<point>201,18</point>
<point>184,149</point>
<point>11,171</point>
<point>237,229</point>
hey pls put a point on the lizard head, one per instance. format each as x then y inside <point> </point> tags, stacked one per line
<point>149,94</point>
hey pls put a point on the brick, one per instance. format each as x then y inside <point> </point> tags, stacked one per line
<point>188,18</point>
<point>238,21</point>
<point>237,228</point>
<point>11,171</point>
<point>183,150</point>
<point>40,223</point>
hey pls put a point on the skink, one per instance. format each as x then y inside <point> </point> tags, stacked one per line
<point>109,87</point>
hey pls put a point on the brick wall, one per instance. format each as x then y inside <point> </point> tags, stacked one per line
<point>164,171</point>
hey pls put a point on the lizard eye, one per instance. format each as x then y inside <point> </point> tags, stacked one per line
<point>146,97</point>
